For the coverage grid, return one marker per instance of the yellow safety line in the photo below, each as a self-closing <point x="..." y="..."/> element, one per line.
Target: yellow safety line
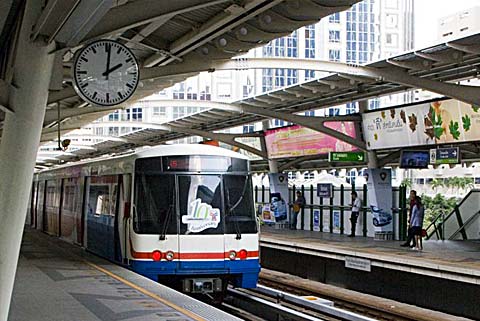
<point x="146" y="292"/>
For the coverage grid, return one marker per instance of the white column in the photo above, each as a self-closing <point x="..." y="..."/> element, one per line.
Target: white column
<point x="19" y="145"/>
<point x="372" y="155"/>
<point x="272" y="164"/>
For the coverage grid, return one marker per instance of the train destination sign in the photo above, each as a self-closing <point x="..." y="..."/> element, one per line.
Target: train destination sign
<point x="445" y="156"/>
<point x="358" y="157"/>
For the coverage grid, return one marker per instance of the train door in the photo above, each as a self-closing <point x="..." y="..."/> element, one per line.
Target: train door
<point x="29" y="217"/>
<point x="71" y="209"/>
<point x="40" y="208"/>
<point x="52" y="206"/>
<point x="101" y="209"/>
<point x="123" y="217"/>
<point x="201" y="237"/>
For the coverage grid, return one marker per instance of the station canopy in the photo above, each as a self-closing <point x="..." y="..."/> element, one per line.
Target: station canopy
<point x="174" y="40"/>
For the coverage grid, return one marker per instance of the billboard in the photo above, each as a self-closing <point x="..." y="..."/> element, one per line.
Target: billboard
<point x="438" y="122"/>
<point x="295" y="141"/>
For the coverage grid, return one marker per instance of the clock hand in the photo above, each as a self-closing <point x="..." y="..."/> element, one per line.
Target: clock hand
<point x="109" y="71"/>
<point x="109" y="49"/>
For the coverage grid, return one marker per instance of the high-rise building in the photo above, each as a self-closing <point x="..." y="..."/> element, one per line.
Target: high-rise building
<point x="368" y="31"/>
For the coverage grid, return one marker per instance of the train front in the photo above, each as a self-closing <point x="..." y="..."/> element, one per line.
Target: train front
<point x="193" y="224"/>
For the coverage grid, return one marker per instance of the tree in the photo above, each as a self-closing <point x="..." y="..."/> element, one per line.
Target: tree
<point x="437" y="205"/>
<point x="407" y="182"/>
<point x="436" y="183"/>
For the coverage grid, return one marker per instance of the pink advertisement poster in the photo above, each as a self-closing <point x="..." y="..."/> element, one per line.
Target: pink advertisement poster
<point x="297" y="140"/>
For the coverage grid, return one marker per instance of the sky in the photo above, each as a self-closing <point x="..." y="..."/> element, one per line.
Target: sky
<point x="427" y="13"/>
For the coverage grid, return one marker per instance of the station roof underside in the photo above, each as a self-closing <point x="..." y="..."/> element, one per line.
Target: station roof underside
<point x="445" y="62"/>
<point x="179" y="39"/>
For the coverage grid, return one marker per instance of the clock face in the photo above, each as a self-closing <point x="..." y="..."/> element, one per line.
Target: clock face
<point x="105" y="73"/>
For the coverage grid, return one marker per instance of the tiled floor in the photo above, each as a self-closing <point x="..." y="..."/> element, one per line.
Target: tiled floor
<point x="59" y="281"/>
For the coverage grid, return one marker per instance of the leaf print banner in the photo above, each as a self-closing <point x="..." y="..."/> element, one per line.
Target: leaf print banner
<point x="439" y="122"/>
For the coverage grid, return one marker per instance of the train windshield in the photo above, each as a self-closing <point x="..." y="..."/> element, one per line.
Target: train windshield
<point x="187" y="203"/>
<point x="154" y="211"/>
<point x="239" y="212"/>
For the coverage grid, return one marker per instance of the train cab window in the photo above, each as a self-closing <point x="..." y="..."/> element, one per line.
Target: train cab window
<point x="200" y="199"/>
<point x="154" y="211"/>
<point x="239" y="208"/>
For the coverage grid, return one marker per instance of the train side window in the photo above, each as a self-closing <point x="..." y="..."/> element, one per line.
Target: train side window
<point x="102" y="195"/>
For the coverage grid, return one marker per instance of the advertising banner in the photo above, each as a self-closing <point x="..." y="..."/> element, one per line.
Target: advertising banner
<point x="267" y="215"/>
<point x="379" y="185"/>
<point x="297" y="141"/>
<point x="279" y="197"/>
<point x="438" y="122"/>
<point x="316" y="220"/>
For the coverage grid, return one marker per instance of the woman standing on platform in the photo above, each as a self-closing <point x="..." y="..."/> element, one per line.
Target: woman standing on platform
<point x="416" y="221"/>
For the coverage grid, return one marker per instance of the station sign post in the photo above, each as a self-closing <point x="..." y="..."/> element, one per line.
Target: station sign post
<point x="445" y="156"/>
<point x="353" y="157"/>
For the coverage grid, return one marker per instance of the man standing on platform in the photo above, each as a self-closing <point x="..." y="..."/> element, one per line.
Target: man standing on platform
<point x="356" y="206"/>
<point x="297" y="207"/>
<point x="410" y="235"/>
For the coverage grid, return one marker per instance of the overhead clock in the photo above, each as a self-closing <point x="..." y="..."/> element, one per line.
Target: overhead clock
<point x="105" y="73"/>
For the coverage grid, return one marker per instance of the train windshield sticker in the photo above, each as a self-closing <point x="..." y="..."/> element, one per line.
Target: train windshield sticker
<point x="201" y="216"/>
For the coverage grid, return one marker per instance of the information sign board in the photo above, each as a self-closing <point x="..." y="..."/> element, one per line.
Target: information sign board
<point x="324" y="190"/>
<point x="445" y="156"/>
<point x="346" y="157"/>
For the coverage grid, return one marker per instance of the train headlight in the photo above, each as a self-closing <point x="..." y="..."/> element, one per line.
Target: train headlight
<point x="242" y="254"/>
<point x="156" y="255"/>
<point x="232" y="255"/>
<point x="169" y="255"/>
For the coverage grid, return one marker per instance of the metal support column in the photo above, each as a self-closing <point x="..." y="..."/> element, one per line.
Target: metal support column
<point x="19" y="145"/>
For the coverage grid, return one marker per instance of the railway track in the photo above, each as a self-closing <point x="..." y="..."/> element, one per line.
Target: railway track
<point x="264" y="303"/>
<point x="365" y="305"/>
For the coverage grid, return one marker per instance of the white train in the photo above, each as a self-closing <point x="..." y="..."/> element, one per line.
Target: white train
<point x="178" y="214"/>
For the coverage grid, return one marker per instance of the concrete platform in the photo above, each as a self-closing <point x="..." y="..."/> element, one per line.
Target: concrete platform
<point x="454" y="260"/>
<point x="59" y="281"/>
<point x="444" y="277"/>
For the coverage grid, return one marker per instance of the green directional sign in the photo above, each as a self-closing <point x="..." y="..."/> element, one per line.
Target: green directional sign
<point x="346" y="157"/>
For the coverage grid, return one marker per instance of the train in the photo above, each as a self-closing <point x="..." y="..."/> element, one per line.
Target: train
<point x="182" y="215"/>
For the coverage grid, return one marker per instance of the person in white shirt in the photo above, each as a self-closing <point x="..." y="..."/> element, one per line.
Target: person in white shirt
<point x="356" y="206"/>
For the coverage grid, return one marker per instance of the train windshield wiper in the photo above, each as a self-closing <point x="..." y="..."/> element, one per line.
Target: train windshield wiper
<point x="231" y="208"/>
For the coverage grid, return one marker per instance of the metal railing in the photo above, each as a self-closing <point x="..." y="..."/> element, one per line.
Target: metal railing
<point x="437" y="228"/>
<point x="338" y="202"/>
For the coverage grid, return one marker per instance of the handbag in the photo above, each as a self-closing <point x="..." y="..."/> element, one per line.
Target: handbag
<point x="296" y="207"/>
<point x="424" y="232"/>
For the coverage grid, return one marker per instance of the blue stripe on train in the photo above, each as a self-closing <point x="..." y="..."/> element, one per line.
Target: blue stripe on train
<point x="245" y="272"/>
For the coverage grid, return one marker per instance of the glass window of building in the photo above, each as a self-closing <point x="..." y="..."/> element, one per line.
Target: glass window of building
<point x="250" y="128"/>
<point x="137" y="114"/>
<point x="292" y="44"/>
<point x="351" y="176"/>
<point x="114" y="116"/>
<point x="278" y="123"/>
<point x="279" y="78"/>
<point x="267" y="79"/>
<point x="179" y="112"/>
<point x="334" y="35"/>
<point x="159" y="111"/>
<point x="351" y="108"/>
<point x="292" y="76"/>
<point x="333" y="112"/>
<point x="309" y="74"/>
<point x="310" y="41"/>
<point x="334" y="18"/>
<point x="308" y="175"/>
<point x="334" y="55"/>
<point x="179" y="91"/>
